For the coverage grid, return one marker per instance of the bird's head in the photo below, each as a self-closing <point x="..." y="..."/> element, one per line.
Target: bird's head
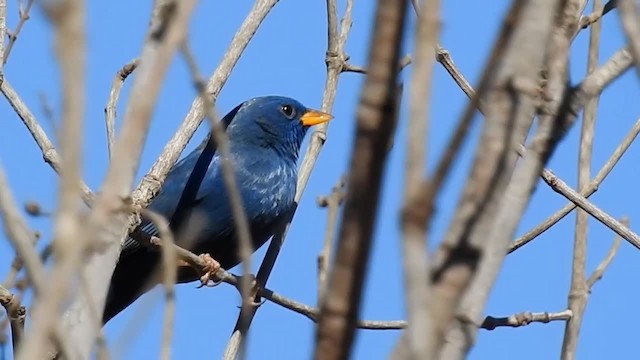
<point x="274" y="122"/>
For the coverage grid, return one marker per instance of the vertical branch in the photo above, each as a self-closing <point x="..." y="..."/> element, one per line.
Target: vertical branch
<point x="3" y="32"/>
<point x="21" y="238"/>
<point x="332" y="202"/>
<point x="578" y="293"/>
<point x="376" y="120"/>
<point x="630" y="19"/>
<point x="414" y="228"/>
<point x="335" y="60"/>
<point x="68" y="18"/>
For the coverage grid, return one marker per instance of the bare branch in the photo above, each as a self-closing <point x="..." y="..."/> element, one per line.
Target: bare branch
<point x="49" y="152"/>
<point x="3" y="31"/>
<point x="199" y="263"/>
<point x="13" y="35"/>
<point x="578" y="292"/>
<point x="415" y="266"/>
<point x="16" y="314"/>
<point x="511" y="103"/>
<point x="347" y="67"/>
<point x="332" y="202"/>
<point x="565" y="190"/>
<point x="376" y="118"/>
<point x="597" y="274"/>
<point x="106" y="226"/>
<point x="68" y="18"/>
<point x="110" y="108"/>
<point x="630" y="19"/>
<point x="525" y="318"/>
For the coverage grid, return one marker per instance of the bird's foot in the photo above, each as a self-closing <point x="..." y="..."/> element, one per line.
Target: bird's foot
<point x="254" y="289"/>
<point x="211" y="267"/>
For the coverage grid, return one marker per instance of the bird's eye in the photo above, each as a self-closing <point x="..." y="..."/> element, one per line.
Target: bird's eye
<point x="288" y="111"/>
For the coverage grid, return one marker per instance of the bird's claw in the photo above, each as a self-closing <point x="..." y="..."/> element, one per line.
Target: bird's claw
<point x="253" y="290"/>
<point x="210" y="269"/>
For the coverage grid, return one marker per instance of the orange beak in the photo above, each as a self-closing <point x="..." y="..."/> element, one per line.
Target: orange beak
<point x="314" y="117"/>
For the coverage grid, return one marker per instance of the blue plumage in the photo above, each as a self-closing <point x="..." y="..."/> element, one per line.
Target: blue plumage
<point x="265" y="135"/>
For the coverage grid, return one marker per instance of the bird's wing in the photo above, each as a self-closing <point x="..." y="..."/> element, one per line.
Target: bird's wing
<point x="166" y="201"/>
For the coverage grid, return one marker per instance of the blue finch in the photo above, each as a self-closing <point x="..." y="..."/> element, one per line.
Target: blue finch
<point x="265" y="135"/>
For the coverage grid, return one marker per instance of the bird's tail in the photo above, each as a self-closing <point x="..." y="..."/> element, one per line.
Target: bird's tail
<point x="131" y="278"/>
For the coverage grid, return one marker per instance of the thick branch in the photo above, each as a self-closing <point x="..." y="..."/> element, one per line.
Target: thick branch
<point x="420" y="332"/>
<point x="106" y="226"/>
<point x="374" y="129"/>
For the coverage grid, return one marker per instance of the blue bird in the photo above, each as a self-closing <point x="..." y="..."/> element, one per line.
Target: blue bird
<point x="265" y="135"/>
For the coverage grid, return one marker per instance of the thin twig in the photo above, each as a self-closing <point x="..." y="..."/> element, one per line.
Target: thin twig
<point x="13" y="35"/>
<point x="199" y="263"/>
<point x="348" y="67"/>
<point x="615" y="66"/>
<point x="525" y="318"/>
<point x="444" y="58"/>
<point x="110" y="108"/>
<point x="565" y="190"/>
<point x="49" y="152"/>
<point x="588" y="190"/>
<point x="597" y="274"/>
<point x="578" y="292"/>
<point x="332" y="202"/>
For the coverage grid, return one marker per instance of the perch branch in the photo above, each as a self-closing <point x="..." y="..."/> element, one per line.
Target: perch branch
<point x="336" y="39"/>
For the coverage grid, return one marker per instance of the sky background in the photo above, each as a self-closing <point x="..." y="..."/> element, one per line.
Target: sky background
<point x="287" y="57"/>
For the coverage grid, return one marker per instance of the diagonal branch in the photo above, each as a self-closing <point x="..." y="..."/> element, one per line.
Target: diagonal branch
<point x="68" y="18"/>
<point x="511" y="103"/>
<point x="106" y="227"/>
<point x="597" y="274"/>
<point x="154" y="178"/>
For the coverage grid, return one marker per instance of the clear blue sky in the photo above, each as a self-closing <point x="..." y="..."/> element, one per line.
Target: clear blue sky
<point x="287" y="57"/>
